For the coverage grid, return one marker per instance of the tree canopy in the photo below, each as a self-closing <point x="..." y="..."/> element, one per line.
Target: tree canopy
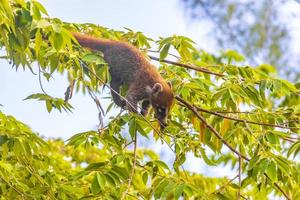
<point x="225" y="113"/>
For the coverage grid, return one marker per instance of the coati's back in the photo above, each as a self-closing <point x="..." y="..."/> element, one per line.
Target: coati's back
<point x="127" y="65"/>
<point x="123" y="59"/>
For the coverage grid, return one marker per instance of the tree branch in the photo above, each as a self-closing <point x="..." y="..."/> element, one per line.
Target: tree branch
<point x="40" y="80"/>
<point x="195" y="111"/>
<point x="278" y="187"/>
<point x="193" y="67"/>
<point x="226" y="184"/>
<point x="244" y="120"/>
<point x="23" y="195"/>
<point x="212" y="129"/>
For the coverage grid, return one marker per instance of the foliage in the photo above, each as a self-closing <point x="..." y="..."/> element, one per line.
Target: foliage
<point x="245" y="116"/>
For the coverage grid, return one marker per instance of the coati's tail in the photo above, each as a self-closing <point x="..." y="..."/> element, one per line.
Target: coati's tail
<point x="97" y="44"/>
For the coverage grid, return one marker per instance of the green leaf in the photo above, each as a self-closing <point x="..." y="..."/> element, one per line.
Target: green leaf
<point x="164" y="52"/>
<point x="6" y="166"/>
<point x="101" y="180"/>
<point x="161" y="164"/>
<point x="295" y="148"/>
<point x="40" y="7"/>
<point x="121" y="172"/>
<point x="48" y="105"/>
<point x="93" y="58"/>
<point x="145" y="177"/>
<point x="188" y="190"/>
<point x="58" y="41"/>
<point x="96" y="166"/>
<point x="132" y="127"/>
<point x="160" y="188"/>
<point x="178" y="191"/>
<point x="205" y="158"/>
<point x="271" y="171"/>
<point x="110" y="180"/>
<point x="95" y="187"/>
<point x="234" y="55"/>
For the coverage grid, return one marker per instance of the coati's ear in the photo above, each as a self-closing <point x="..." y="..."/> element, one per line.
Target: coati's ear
<point x="156" y="89"/>
<point x="170" y="84"/>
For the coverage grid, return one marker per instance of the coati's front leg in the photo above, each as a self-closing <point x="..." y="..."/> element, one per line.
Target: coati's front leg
<point x="145" y="107"/>
<point x="131" y="102"/>
<point x="135" y="94"/>
<point x="115" y="92"/>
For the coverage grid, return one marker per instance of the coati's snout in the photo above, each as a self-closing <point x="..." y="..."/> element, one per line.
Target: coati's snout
<point x="161" y="98"/>
<point x="161" y="116"/>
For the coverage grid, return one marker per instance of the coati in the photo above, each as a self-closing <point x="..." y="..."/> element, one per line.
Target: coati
<point x="128" y="66"/>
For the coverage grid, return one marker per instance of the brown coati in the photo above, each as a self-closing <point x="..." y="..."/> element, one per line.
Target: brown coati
<point x="128" y="66"/>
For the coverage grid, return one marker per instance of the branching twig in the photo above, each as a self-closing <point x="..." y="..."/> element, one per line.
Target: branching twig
<point x="278" y="187"/>
<point x="234" y="112"/>
<point x="223" y="186"/>
<point x="244" y="120"/>
<point x="194" y="110"/>
<point x="126" y="145"/>
<point x="212" y="129"/>
<point x="157" y="51"/>
<point x="23" y="195"/>
<point x="193" y="67"/>
<point x="69" y="91"/>
<point x="244" y="197"/>
<point x="99" y="107"/>
<point x="40" y="81"/>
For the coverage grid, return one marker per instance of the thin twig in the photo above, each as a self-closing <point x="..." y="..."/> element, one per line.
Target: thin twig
<point x="244" y="120"/>
<point x="40" y="81"/>
<point x="212" y="129"/>
<point x="278" y="187"/>
<point x="99" y="107"/>
<point x="23" y="195"/>
<point x="157" y="51"/>
<point x="194" y="110"/>
<point x="240" y="178"/>
<point x="133" y="165"/>
<point x="223" y="186"/>
<point x="34" y="173"/>
<point x="234" y="112"/>
<point x="193" y="67"/>
<point x="69" y="91"/>
<point x="244" y="197"/>
<point x="126" y="145"/>
<point x="134" y="196"/>
<point x="287" y="122"/>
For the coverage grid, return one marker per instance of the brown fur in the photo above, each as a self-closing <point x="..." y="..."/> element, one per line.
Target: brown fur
<point x="128" y="66"/>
